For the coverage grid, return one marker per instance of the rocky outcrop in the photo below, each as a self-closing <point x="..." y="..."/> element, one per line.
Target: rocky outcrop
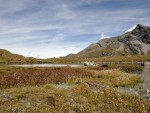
<point x="90" y="64"/>
<point x="142" y="33"/>
<point x="147" y="63"/>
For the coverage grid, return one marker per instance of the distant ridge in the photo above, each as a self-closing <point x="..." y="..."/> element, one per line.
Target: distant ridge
<point x="7" y="54"/>
<point x="6" y="57"/>
<point x="135" y="41"/>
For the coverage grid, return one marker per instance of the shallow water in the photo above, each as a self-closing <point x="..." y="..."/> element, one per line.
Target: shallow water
<point x="141" y="89"/>
<point x="48" y="65"/>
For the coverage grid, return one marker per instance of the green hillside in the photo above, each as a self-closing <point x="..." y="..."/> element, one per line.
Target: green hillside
<point x="7" y="57"/>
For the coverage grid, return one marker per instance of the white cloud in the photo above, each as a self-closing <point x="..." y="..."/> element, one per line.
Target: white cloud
<point x="46" y="26"/>
<point x="103" y="36"/>
<point x="48" y="50"/>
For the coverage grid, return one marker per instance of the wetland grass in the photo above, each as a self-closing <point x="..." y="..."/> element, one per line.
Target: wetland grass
<point x="68" y="90"/>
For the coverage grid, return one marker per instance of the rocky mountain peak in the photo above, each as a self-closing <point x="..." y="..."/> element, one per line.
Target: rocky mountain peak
<point x="142" y="32"/>
<point x="135" y="41"/>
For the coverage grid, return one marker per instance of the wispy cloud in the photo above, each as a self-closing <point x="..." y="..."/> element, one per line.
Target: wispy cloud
<point x="52" y="28"/>
<point x="103" y="36"/>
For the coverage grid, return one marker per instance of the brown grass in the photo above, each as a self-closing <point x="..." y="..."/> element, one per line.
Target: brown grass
<point x="99" y="68"/>
<point x="91" y="92"/>
<point x="75" y="100"/>
<point x="129" y="68"/>
<point x="40" y="76"/>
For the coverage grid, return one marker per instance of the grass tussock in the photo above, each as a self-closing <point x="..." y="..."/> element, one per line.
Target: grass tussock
<point x="68" y="90"/>
<point x="100" y="68"/>
<point x="75" y="100"/>
<point x="40" y="76"/>
<point x="129" y="68"/>
<point x="117" y="78"/>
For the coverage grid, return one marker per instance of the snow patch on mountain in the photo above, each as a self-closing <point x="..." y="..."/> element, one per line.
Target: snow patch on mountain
<point x="131" y="29"/>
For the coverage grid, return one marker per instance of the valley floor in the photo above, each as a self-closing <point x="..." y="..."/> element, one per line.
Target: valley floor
<point x="68" y="90"/>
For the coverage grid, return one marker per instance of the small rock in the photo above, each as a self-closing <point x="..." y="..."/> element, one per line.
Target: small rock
<point x="147" y="97"/>
<point x="148" y="91"/>
<point x="18" y="111"/>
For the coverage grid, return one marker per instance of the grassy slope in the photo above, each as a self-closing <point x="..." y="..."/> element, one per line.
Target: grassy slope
<point x="8" y="56"/>
<point x="80" y="90"/>
<point x="130" y="58"/>
<point x="13" y="58"/>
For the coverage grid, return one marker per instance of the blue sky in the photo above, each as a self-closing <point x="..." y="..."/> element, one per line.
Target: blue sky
<point x="54" y="28"/>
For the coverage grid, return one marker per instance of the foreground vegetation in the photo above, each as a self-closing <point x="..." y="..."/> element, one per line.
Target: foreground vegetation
<point x="68" y="90"/>
<point x="39" y="76"/>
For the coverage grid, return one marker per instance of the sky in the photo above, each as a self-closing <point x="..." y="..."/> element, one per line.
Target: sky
<point x="54" y="28"/>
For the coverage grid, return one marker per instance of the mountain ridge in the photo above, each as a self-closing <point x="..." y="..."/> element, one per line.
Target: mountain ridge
<point x="135" y="42"/>
<point x="8" y="54"/>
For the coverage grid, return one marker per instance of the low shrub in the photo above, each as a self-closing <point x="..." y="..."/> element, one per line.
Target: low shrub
<point x="40" y="76"/>
<point x="131" y="68"/>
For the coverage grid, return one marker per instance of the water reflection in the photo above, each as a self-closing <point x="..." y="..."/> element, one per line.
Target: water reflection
<point x="48" y="65"/>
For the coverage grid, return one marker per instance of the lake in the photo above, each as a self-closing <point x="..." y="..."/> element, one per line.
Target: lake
<point x="47" y="65"/>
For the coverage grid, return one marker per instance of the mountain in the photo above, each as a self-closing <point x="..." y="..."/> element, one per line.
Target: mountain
<point x="5" y="55"/>
<point x="8" y="54"/>
<point x="135" y="41"/>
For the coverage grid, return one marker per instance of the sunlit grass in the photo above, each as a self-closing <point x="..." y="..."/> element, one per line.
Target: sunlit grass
<point x="117" y="78"/>
<point x="77" y="99"/>
<point x="129" y="68"/>
<point x="79" y="90"/>
<point x="11" y="59"/>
